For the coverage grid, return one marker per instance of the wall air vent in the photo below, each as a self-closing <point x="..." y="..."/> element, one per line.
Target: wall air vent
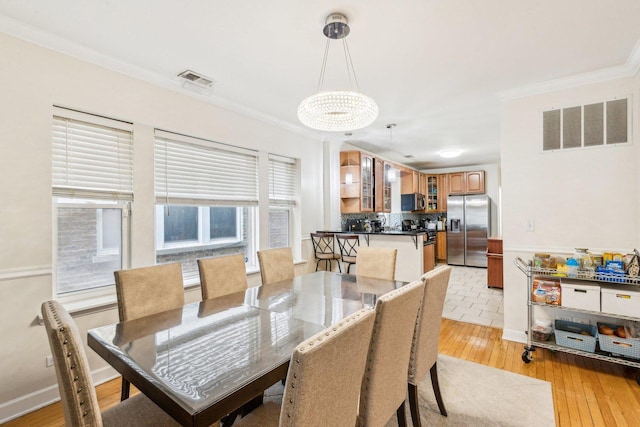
<point x="196" y="82"/>
<point x="591" y="125"/>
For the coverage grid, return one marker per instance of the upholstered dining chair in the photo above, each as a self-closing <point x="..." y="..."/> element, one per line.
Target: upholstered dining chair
<point x="324" y="250"/>
<point x="276" y="265"/>
<point x="222" y="275"/>
<point x="384" y="387"/>
<point x="377" y="263"/>
<point x="424" y="351"/>
<point x="77" y="392"/>
<point x="145" y="291"/>
<point x="348" y="244"/>
<point x="324" y="378"/>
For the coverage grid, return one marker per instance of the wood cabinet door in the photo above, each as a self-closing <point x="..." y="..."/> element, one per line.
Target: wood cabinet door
<point x="442" y="192"/>
<point x="428" y="261"/>
<point x="475" y="182"/>
<point x="494" y="271"/>
<point x="456" y="183"/>
<point x="441" y="245"/>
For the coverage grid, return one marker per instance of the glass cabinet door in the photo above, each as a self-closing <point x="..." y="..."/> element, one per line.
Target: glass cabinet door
<point x="387" y="188"/>
<point x="367" y="184"/>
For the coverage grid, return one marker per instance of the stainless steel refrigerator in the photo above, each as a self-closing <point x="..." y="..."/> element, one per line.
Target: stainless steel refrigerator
<point x="469" y="227"/>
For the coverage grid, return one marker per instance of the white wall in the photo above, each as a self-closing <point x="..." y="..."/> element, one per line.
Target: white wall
<point x="32" y="80"/>
<point x="576" y="198"/>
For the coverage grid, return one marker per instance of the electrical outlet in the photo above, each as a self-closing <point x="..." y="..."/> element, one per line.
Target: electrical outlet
<point x="529" y="225"/>
<point x="48" y="361"/>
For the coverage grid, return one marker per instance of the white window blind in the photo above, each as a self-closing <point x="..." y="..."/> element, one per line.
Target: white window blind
<point x="282" y="181"/>
<point x="195" y="171"/>
<point x="92" y="156"/>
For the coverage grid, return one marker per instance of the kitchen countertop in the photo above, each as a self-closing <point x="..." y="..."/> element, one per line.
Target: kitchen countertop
<point x="380" y="233"/>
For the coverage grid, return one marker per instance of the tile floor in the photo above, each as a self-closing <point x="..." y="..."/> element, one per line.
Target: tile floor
<point x="470" y="300"/>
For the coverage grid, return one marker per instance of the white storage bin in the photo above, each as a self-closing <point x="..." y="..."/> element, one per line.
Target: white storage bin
<point x="621" y="301"/>
<point x="577" y="294"/>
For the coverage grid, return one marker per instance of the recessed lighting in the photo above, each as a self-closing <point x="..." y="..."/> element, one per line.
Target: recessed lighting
<point x="449" y="154"/>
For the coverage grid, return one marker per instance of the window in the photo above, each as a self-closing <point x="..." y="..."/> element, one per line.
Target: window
<point x="282" y="200"/>
<point x="206" y="201"/>
<point x="92" y="166"/>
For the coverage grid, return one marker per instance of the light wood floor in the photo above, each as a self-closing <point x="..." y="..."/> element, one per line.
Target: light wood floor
<point x="586" y="392"/>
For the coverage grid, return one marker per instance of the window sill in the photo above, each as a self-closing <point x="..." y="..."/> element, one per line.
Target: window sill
<point x="199" y="247"/>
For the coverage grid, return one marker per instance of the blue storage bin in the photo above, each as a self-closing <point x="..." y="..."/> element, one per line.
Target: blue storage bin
<point x="571" y="334"/>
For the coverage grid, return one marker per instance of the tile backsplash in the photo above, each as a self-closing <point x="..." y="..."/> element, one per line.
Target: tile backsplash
<point x="393" y="220"/>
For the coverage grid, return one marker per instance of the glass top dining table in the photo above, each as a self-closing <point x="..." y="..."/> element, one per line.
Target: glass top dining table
<point x="205" y="360"/>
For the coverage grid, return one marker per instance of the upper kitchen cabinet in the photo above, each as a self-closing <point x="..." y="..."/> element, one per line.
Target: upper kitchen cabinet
<point x="382" y="187"/>
<point x="356" y="182"/>
<point x="471" y="182"/>
<point x="410" y="182"/>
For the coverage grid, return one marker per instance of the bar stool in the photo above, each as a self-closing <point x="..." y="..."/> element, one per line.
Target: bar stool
<point x="324" y="249"/>
<point x="348" y="248"/>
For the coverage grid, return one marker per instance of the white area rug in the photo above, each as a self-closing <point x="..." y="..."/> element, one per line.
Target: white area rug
<point x="477" y="395"/>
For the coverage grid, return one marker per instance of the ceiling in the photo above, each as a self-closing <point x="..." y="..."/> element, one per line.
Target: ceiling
<point x="436" y="68"/>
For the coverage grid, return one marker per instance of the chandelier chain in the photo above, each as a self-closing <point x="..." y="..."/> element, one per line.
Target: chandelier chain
<point x="350" y="66"/>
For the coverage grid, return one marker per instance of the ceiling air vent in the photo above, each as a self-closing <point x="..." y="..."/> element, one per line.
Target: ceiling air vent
<point x="196" y="82"/>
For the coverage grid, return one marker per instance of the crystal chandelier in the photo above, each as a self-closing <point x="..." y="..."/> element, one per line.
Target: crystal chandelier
<point x="338" y="110"/>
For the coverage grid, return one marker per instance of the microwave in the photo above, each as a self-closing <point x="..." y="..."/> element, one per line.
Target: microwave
<point x="412" y="202"/>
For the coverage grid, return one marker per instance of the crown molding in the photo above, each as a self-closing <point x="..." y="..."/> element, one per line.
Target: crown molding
<point x="67" y="47"/>
<point x="629" y="69"/>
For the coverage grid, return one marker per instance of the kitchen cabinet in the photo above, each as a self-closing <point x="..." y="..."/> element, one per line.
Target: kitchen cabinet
<point x="470" y="182"/>
<point x="609" y="348"/>
<point x="434" y="194"/>
<point x="386" y="191"/>
<point x="429" y="260"/>
<point x="441" y="246"/>
<point x="357" y="185"/>
<point x="410" y="182"/>
<point x="366" y="188"/>
<point x="494" y="263"/>
<point x="356" y="182"/>
<point x="442" y="192"/>
<point x="382" y="187"/>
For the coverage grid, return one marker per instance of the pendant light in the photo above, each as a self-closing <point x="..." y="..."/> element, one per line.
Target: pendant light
<point x="337" y="110"/>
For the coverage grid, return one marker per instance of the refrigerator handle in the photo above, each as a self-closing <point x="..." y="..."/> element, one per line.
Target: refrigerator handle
<point x="455" y="225"/>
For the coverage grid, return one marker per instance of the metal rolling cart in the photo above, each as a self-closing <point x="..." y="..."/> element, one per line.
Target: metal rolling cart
<point x="610" y="279"/>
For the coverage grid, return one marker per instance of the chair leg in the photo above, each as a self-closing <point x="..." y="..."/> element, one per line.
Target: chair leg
<point x="413" y="405"/>
<point x="317" y="264"/>
<point x="436" y="388"/>
<point x="348" y="267"/>
<point x="124" y="393"/>
<point x="400" y="413"/>
<point x="338" y="262"/>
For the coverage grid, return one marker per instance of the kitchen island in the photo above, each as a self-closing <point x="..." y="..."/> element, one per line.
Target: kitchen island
<point x="410" y="263"/>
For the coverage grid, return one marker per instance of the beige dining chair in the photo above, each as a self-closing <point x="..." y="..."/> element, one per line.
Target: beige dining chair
<point x="77" y="392"/>
<point x="145" y="291"/>
<point x="324" y="378"/>
<point x="276" y="265"/>
<point x="424" y="351"/>
<point x="349" y="245"/>
<point x="222" y="275"/>
<point x="324" y="250"/>
<point x="377" y="263"/>
<point x="384" y="387"/>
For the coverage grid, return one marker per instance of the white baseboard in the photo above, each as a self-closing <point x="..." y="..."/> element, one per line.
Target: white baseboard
<point x="514" y="335"/>
<point x="38" y="399"/>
